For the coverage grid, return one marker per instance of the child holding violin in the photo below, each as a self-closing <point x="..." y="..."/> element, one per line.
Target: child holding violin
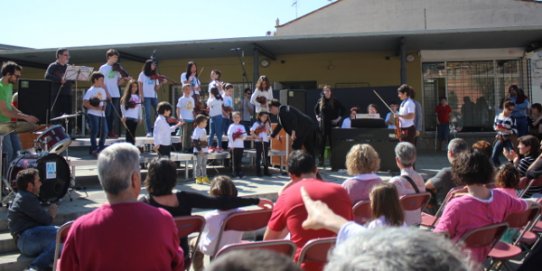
<point x="236" y="137"/>
<point x="93" y="101"/>
<point x="163" y="130"/>
<point x="130" y="106"/>
<point x="149" y="84"/>
<point x="260" y="131"/>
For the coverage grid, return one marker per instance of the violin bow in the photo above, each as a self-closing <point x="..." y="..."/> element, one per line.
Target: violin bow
<point x="382" y="100"/>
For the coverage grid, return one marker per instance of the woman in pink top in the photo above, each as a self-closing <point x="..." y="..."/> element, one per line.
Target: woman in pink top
<point x="480" y="206"/>
<point x="362" y="161"/>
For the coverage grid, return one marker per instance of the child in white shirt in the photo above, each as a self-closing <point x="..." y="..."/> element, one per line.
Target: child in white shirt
<point x="185" y="113"/>
<point x="236" y="137"/>
<point x="130" y="106"/>
<point x="385" y="207"/>
<point x="162" y="130"/>
<point x="215" y="104"/>
<point x="260" y="131"/>
<point x="93" y="101"/>
<point x="199" y="141"/>
<point x="228" y="106"/>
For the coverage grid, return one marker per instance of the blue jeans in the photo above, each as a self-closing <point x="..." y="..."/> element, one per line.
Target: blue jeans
<point x="215" y="128"/>
<point x="97" y="125"/>
<point x="226" y="124"/>
<point x="39" y="242"/>
<point x="497" y="150"/>
<point x="522" y="125"/>
<point x="443" y="131"/>
<point x="149" y="113"/>
<point x="10" y="146"/>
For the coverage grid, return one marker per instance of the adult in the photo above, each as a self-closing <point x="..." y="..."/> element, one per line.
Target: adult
<point x="534" y="171"/>
<point x="253" y="260"/>
<point x="190" y="77"/>
<point x="29" y="224"/>
<point x="529" y="150"/>
<point x="160" y="183"/>
<point x="410" y="181"/>
<point x="443" y="113"/>
<point x="113" y="77"/>
<point x="406" y="114"/>
<point x="442" y="182"/>
<point x="362" y="162"/>
<point x="418" y="119"/>
<point x="329" y="112"/>
<point x="61" y="87"/>
<point x="521" y="110"/>
<point x="484" y="147"/>
<point x="262" y="95"/>
<point x="289" y="211"/>
<point x="11" y="72"/>
<point x="536" y="120"/>
<point x="302" y="129"/>
<point x="148" y="86"/>
<point x="390" y="119"/>
<point x="122" y="234"/>
<point x="372" y="111"/>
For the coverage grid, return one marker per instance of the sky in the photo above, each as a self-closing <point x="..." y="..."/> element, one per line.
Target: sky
<point x="64" y="23"/>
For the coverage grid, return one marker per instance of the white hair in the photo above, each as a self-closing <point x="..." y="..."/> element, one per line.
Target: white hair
<point x="116" y="164"/>
<point x="398" y="249"/>
<point x="406" y="152"/>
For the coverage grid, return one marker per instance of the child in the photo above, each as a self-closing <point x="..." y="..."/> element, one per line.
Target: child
<point x="236" y="137"/>
<point x="228" y="106"/>
<point x="199" y="140"/>
<point x="507" y="179"/>
<point x="185" y="113"/>
<point x="215" y="103"/>
<point x="162" y="130"/>
<point x="130" y="105"/>
<point x="93" y="102"/>
<point x="505" y="127"/>
<point x="215" y="81"/>
<point x="385" y="207"/>
<point x="260" y="131"/>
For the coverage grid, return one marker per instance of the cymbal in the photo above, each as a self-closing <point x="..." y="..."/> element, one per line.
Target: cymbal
<point x="65" y="116"/>
<point x="17" y="127"/>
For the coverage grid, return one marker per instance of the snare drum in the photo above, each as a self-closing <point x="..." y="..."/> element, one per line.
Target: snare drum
<point x="54" y="173"/>
<point x="54" y="139"/>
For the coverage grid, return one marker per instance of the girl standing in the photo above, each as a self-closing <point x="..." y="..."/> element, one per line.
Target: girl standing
<point x="260" y="131"/>
<point x="199" y="141"/>
<point x="147" y="92"/>
<point x="329" y="112"/>
<point x="215" y="104"/>
<point x="130" y="105"/>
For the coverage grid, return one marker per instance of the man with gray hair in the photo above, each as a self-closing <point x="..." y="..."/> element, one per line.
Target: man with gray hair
<point x="123" y="234"/>
<point x="442" y="182"/>
<point x="410" y="181"/>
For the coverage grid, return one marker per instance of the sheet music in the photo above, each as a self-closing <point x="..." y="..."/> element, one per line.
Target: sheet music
<point x="78" y="73"/>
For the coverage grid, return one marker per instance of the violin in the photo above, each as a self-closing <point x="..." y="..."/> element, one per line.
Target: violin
<point x="172" y="120"/>
<point x="119" y="68"/>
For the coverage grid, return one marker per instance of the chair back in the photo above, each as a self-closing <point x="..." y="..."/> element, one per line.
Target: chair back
<point x="61" y="236"/>
<point x="521" y="219"/>
<point x="416" y="201"/>
<point x="362" y="212"/>
<point x="316" y="250"/>
<point x="187" y="225"/>
<point x="486" y="236"/>
<point x="526" y="183"/>
<point x="285" y="247"/>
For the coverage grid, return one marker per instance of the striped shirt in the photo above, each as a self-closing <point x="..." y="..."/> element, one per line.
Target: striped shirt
<point x="507" y="123"/>
<point x="524" y="164"/>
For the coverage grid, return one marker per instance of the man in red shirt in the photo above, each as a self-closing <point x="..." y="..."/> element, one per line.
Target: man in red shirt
<point x="443" y="111"/>
<point x="123" y="234"/>
<point x="289" y="211"/>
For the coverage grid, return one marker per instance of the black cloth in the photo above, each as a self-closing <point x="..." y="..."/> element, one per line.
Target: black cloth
<point x="189" y="200"/>
<point x="306" y="129"/>
<point x="132" y="127"/>
<point x="55" y="73"/>
<point x="237" y="154"/>
<point x="408" y="134"/>
<point x="329" y="111"/>
<point x="25" y="212"/>
<point x="164" y="150"/>
<point x="262" y="151"/>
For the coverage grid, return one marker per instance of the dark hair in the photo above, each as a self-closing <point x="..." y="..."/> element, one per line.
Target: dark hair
<point x="385" y="202"/>
<point x="253" y="260"/>
<point x="404" y="88"/>
<point x="26" y="176"/>
<point x="217" y="72"/>
<point x="530" y="141"/>
<point x="216" y="93"/>
<point x="442" y="98"/>
<point x="274" y="103"/>
<point x="472" y="168"/>
<point x="189" y="68"/>
<point x="355" y="109"/>
<point x="247" y="90"/>
<point x="222" y="186"/>
<point x="484" y="147"/>
<point x="228" y="86"/>
<point x="60" y="51"/>
<point x="111" y="52"/>
<point x="95" y="76"/>
<point x="508" y="103"/>
<point x="163" y="107"/>
<point x="161" y="177"/>
<point x="147" y="68"/>
<point x="263" y="113"/>
<point x="537" y="106"/>
<point x="507" y="176"/>
<point x="128" y="93"/>
<point x="199" y="119"/>
<point x="300" y="162"/>
<point x="10" y="67"/>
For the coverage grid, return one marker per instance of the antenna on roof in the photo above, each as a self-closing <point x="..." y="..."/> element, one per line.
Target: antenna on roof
<point x="294" y="3"/>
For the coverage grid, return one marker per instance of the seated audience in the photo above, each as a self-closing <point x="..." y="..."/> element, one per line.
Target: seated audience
<point x="347" y="122"/>
<point x="385" y="207"/>
<point x="507" y="179"/>
<point x="253" y="260"/>
<point x="289" y="212"/>
<point x="29" y="224"/>
<point x="528" y="148"/>
<point x="533" y="172"/>
<point x="481" y="206"/>
<point x="362" y="162"/>
<point x="123" y="234"/>
<point x="484" y="147"/>
<point x="410" y="181"/>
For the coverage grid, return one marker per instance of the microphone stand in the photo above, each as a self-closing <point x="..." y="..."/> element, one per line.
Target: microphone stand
<point x="241" y="57"/>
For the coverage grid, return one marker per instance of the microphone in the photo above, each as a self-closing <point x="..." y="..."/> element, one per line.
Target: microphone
<point x="235" y="49"/>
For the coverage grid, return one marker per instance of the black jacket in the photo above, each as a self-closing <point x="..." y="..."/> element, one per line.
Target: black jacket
<point x="292" y="119"/>
<point x="331" y="110"/>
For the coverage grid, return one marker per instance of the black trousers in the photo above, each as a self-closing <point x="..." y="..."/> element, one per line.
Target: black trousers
<point x="237" y="156"/>
<point x="306" y="140"/>
<point x="326" y="137"/>
<point x="132" y="127"/>
<point x="262" y="150"/>
<point x="164" y="151"/>
<point x="408" y="134"/>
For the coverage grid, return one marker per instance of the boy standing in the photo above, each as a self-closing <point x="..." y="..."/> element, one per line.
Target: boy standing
<point x="185" y="113"/>
<point x="443" y="111"/>
<point x="236" y="136"/>
<point x="93" y="101"/>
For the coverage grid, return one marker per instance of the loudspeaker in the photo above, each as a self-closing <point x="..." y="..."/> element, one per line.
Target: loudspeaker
<point x="35" y="98"/>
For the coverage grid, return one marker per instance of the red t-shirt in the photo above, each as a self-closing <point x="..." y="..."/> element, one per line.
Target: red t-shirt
<point x="443" y="113"/>
<point x="124" y="236"/>
<point x="289" y="211"/>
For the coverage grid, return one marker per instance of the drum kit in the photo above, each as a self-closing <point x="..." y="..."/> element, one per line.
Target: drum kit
<point x="54" y="170"/>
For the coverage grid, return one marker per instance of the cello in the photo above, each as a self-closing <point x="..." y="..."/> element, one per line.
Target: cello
<point x="396" y="119"/>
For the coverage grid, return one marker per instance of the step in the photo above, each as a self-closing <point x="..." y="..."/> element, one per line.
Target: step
<point x="7" y="245"/>
<point x="14" y="261"/>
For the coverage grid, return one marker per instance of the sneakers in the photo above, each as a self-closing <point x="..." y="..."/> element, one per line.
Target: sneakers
<point x="219" y="150"/>
<point x="212" y="149"/>
<point x="202" y="180"/>
<point x="149" y="135"/>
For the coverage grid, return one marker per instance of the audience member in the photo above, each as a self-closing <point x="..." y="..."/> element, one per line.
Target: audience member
<point x="507" y="179"/>
<point x="484" y="147"/>
<point x="528" y="148"/>
<point x="289" y="211"/>
<point x="505" y="128"/>
<point x="29" y="224"/>
<point x="253" y="260"/>
<point x="362" y="162"/>
<point x="385" y="207"/>
<point x="534" y="171"/>
<point x="123" y="234"/>
<point x="410" y="181"/>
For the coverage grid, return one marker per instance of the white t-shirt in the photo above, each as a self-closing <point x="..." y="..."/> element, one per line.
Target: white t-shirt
<point x="407" y="106"/>
<point x="148" y="85"/>
<point x="162" y="131"/>
<point x="111" y="80"/>
<point x="186" y="108"/>
<point x="201" y="135"/>
<point x="239" y="141"/>
<point x="133" y="113"/>
<point x="96" y="92"/>
<point x="215" y="106"/>
<point x="263" y="135"/>
<point x="381" y="222"/>
<point x="214" y="219"/>
<point x="257" y="93"/>
<point x="228" y="101"/>
<point x="193" y="84"/>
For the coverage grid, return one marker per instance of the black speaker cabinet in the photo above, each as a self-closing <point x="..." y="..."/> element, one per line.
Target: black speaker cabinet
<point x="35" y="98"/>
<point x="379" y="139"/>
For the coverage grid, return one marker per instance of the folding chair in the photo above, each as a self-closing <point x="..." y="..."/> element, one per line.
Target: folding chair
<point x="249" y="220"/>
<point x="61" y="236"/>
<point x="429" y="220"/>
<point x="187" y="225"/>
<point x="316" y="250"/>
<point x="416" y="201"/>
<point x="362" y="212"/>
<point x="486" y="236"/>
<point x="285" y="247"/>
<point x="525" y="184"/>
